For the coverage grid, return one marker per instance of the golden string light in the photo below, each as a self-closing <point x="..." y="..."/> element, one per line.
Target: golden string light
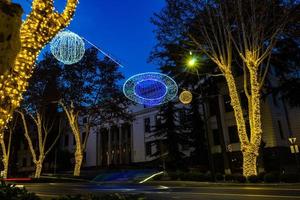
<point x="40" y="26"/>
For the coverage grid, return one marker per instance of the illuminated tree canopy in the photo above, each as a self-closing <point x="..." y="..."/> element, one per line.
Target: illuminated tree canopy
<point x="150" y="88"/>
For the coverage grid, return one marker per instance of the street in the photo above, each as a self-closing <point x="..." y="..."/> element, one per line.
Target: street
<point x="160" y="192"/>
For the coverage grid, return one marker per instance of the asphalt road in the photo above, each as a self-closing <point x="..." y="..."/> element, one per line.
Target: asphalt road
<point x="209" y="192"/>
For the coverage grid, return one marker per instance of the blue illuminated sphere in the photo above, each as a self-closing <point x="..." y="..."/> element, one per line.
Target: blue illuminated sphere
<point x="67" y="47"/>
<point x="150" y="88"/>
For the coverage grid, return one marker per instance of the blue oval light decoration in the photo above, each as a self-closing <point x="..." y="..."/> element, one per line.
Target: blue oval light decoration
<point x="67" y="47"/>
<point x="150" y="88"/>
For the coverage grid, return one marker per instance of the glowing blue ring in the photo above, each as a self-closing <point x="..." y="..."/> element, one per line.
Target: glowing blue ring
<point x="150" y="88"/>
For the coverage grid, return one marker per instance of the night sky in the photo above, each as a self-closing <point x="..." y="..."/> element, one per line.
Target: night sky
<point x="120" y="27"/>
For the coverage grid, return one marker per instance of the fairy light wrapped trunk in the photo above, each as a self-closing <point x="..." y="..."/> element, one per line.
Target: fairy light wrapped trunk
<point x="41" y="25"/>
<point x="10" y="23"/>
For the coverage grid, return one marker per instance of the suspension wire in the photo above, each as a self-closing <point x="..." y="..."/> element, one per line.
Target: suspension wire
<point x="104" y="53"/>
<point x="95" y="46"/>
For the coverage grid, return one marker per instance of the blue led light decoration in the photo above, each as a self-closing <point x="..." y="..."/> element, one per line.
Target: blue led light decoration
<point x="67" y="47"/>
<point x="150" y="88"/>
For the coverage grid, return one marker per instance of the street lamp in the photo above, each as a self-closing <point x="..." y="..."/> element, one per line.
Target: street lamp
<point x="192" y="61"/>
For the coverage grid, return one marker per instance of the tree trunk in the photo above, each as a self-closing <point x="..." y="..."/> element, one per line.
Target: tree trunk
<point x="5" y="161"/>
<point x="238" y="111"/>
<point x="78" y="162"/>
<point x="249" y="163"/>
<point x="5" y="155"/>
<point x="38" y="168"/>
<point x="256" y="129"/>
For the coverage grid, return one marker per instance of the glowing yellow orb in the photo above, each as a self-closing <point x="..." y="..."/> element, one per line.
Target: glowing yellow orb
<point x="186" y="97"/>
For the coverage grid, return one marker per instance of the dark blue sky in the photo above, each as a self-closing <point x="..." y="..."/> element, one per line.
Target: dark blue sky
<point x="121" y="27"/>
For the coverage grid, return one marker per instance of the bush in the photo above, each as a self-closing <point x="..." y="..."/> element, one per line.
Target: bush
<point x="290" y="178"/>
<point x="197" y="177"/>
<point x="261" y="176"/>
<point x="229" y="177"/>
<point x="240" y="178"/>
<point x="219" y="177"/>
<point x="254" y="179"/>
<point x="208" y="176"/>
<point x="10" y="192"/>
<point x="271" y="177"/>
<point x="103" y="197"/>
<point x="174" y="176"/>
<point x="235" y="178"/>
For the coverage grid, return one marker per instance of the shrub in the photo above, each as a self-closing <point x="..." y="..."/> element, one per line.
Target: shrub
<point x="254" y="179"/>
<point x="219" y="177"/>
<point x="290" y="178"/>
<point x="271" y="177"/>
<point x="174" y="176"/>
<point x="261" y="176"/>
<point x="197" y="177"/>
<point x="103" y="197"/>
<point x="208" y="176"/>
<point x="240" y="178"/>
<point x="10" y="192"/>
<point x="229" y="177"/>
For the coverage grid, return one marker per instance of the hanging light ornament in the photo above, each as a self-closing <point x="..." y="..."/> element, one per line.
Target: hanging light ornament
<point x="150" y="88"/>
<point x="67" y="47"/>
<point x="186" y="97"/>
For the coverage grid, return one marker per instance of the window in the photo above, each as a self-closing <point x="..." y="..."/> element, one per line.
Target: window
<point x="84" y="120"/>
<point x="83" y="135"/>
<point x="216" y="137"/>
<point x="233" y="134"/>
<point x="244" y="100"/>
<point x="183" y="117"/>
<point x="24" y="162"/>
<point x="25" y="146"/>
<point x="149" y="148"/>
<point x="66" y="140"/>
<point x="128" y="133"/>
<point x="158" y="120"/>
<point x="280" y="129"/>
<point x="185" y="147"/>
<point x="227" y="103"/>
<point x="147" y="125"/>
<point x="213" y="109"/>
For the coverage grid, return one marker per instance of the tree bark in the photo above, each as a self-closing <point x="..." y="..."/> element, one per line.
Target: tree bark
<point x="237" y="108"/>
<point x="38" y="168"/>
<point x="5" y="162"/>
<point x="78" y="162"/>
<point x="249" y="163"/>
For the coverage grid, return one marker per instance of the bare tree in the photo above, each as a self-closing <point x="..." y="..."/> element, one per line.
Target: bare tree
<point x="251" y="28"/>
<point x="6" y="145"/>
<point x="43" y="128"/>
<point x="80" y="142"/>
